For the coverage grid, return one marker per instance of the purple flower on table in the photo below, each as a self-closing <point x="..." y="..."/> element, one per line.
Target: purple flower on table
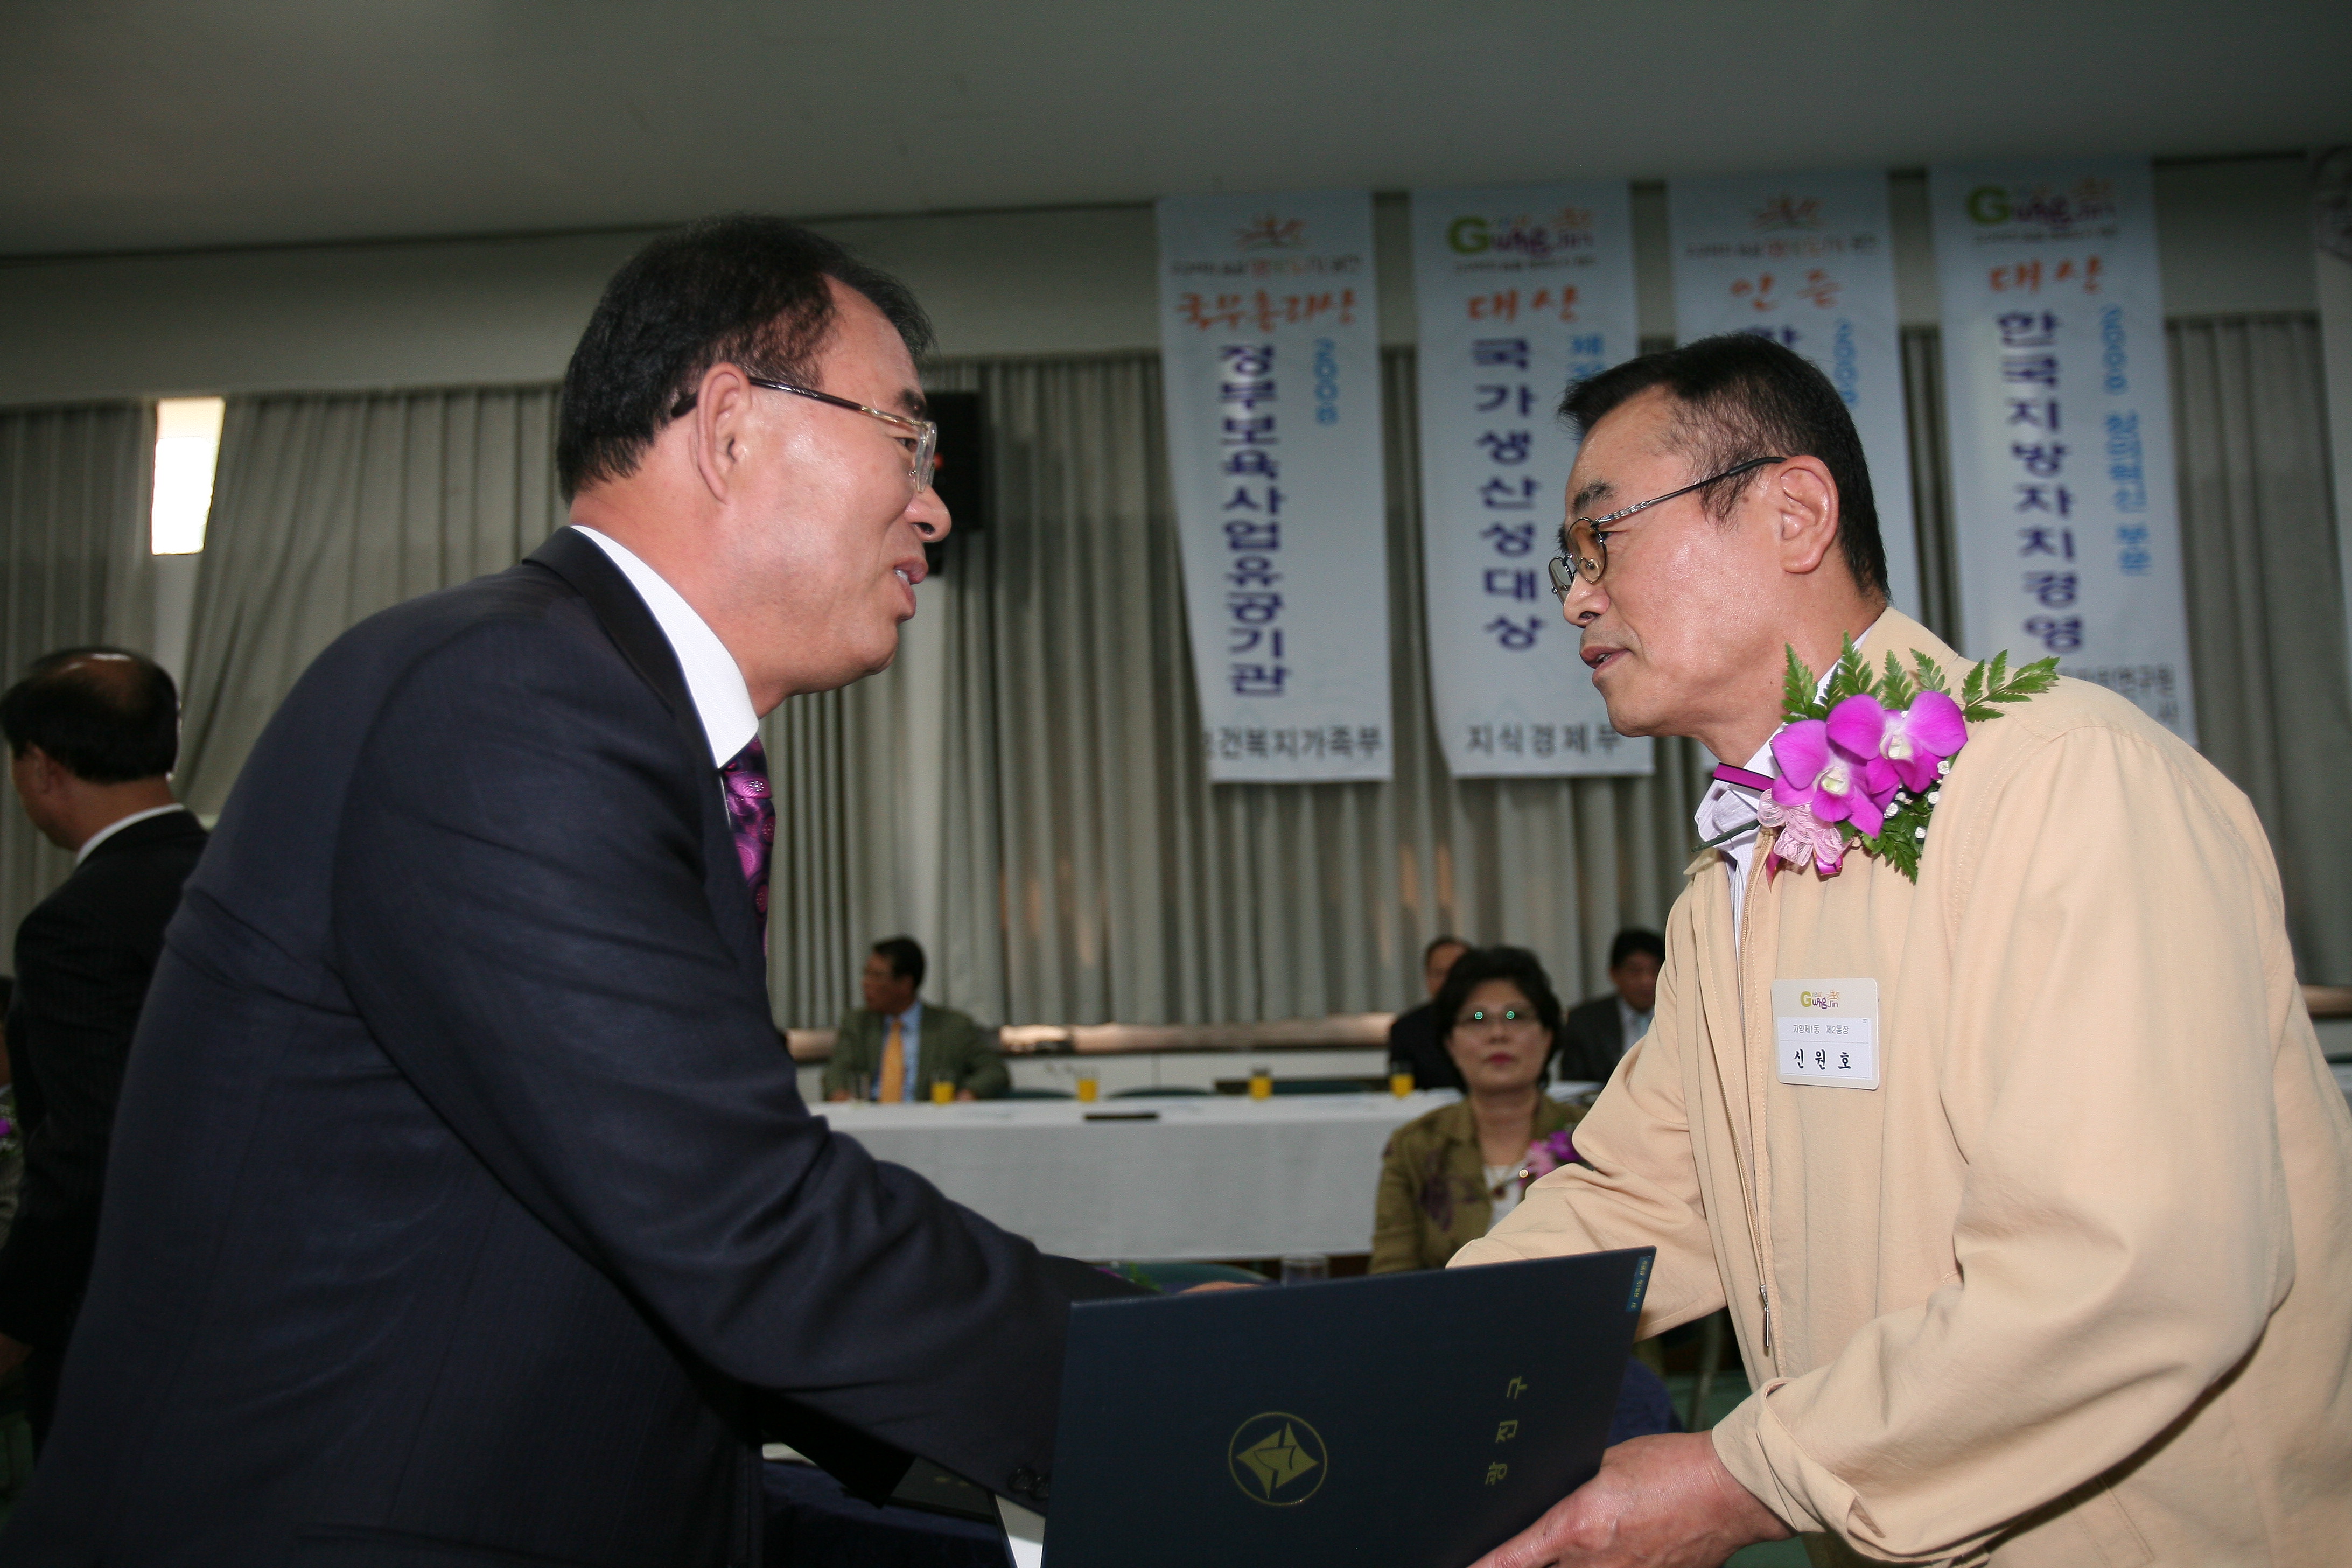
<point x="1825" y="779"/>
<point x="1895" y="747"/>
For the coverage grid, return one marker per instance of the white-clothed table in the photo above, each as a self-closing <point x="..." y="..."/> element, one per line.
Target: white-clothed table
<point x="1219" y="1176"/>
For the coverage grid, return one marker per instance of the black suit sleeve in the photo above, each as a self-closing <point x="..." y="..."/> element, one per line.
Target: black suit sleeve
<point x="1591" y="1040"/>
<point x="79" y="986"/>
<point x="522" y="918"/>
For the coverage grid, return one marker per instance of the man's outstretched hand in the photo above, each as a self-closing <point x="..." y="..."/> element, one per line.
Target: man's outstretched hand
<point x="1660" y="1502"/>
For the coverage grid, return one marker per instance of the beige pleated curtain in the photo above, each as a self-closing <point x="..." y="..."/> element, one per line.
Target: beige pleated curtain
<point x="75" y="485"/>
<point x="328" y="508"/>
<point x="2266" y="604"/>
<point x="1023" y="791"/>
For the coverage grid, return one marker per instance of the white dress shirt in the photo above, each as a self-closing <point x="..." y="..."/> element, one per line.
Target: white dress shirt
<point x="1725" y="806"/>
<point x="1634" y="1025"/>
<point x="713" y="678"/>
<point x="118" y="825"/>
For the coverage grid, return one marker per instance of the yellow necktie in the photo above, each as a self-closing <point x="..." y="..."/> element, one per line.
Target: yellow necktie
<point x="894" y="1067"/>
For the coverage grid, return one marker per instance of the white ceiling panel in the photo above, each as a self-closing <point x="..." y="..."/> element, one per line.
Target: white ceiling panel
<point x="129" y="125"/>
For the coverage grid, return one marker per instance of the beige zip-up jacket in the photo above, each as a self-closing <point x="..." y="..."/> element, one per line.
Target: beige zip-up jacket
<point x="2073" y="1285"/>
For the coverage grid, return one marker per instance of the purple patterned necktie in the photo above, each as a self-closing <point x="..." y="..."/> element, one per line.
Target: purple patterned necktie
<point x="751" y="808"/>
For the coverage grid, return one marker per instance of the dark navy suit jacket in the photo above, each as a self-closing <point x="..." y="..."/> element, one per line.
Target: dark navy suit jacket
<point x="84" y="957"/>
<point x="462" y="1201"/>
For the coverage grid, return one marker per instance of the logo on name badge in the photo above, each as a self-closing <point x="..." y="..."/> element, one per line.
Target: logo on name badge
<point x="1276" y="1459"/>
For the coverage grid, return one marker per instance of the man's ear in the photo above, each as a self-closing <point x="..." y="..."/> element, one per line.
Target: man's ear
<point x="1804" y="502"/>
<point x="43" y="772"/>
<point x="721" y="413"/>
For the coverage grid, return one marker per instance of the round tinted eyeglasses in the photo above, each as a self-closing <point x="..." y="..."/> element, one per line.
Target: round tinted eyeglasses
<point x="1588" y="548"/>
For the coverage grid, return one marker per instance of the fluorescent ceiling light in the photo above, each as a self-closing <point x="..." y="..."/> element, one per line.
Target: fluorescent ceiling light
<point x="187" y="446"/>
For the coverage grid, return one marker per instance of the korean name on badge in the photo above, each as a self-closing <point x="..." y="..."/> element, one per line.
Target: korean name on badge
<point x="1825" y="1032"/>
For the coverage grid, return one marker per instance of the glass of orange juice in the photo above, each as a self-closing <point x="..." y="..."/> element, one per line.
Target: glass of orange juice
<point x="1089" y="1085"/>
<point x="1400" y="1081"/>
<point x="943" y="1091"/>
<point x="1261" y="1083"/>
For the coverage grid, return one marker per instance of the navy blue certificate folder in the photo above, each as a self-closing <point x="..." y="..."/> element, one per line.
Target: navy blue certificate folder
<point x="1413" y="1419"/>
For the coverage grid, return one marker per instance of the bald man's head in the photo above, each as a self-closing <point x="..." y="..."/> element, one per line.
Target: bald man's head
<point x="105" y="714"/>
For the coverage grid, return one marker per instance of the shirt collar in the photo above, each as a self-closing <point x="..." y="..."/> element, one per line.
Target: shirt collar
<point x="1725" y="806"/>
<point x="118" y="825"/>
<point x="721" y="699"/>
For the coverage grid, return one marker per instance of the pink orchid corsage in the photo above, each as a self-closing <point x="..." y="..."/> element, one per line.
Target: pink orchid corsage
<point x="1870" y="767"/>
<point x="1850" y="766"/>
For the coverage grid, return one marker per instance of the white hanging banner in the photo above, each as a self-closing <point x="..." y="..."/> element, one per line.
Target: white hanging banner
<point x="1809" y="260"/>
<point x="2064" y="522"/>
<point x="1521" y="289"/>
<point x="1270" y="346"/>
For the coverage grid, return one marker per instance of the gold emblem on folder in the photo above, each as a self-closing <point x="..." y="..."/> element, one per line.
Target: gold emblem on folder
<point x="1278" y="1458"/>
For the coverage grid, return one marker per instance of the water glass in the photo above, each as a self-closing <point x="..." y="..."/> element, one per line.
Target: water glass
<point x="1303" y="1268"/>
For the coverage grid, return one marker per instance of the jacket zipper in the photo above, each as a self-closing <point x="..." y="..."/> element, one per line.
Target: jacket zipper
<point x="1744" y="945"/>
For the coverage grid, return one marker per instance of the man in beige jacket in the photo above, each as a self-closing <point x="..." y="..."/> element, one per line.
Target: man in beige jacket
<point x="2070" y="1282"/>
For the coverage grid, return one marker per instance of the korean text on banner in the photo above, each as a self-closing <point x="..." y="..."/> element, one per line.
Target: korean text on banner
<point x="1522" y="290"/>
<point x="1808" y="260"/>
<point x="1271" y="352"/>
<point x="2064" y="521"/>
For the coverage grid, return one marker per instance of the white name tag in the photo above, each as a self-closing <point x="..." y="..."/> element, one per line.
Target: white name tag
<point x="1825" y="1032"/>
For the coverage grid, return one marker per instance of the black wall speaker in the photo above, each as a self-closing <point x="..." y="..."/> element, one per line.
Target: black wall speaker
<point x="960" y="471"/>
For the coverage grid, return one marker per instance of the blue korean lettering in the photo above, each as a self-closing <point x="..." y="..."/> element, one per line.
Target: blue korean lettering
<point x="1508" y="495"/>
<point x="1513" y="539"/>
<point x="1514" y="635"/>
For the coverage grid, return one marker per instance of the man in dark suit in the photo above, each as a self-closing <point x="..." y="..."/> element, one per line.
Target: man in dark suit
<point x="897" y="1046"/>
<point x="1597" y="1034"/>
<point x="1416" y="1044"/>
<point x="92" y="735"/>
<point x="464" y="1208"/>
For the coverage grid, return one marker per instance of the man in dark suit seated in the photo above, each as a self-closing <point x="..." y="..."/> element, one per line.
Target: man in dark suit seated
<point x="1416" y="1044"/>
<point x="1600" y="1032"/>
<point x="93" y="733"/>
<point x="463" y="1208"/>
<point x="895" y="1046"/>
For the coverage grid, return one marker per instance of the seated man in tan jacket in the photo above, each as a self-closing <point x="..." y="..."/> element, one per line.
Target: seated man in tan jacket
<point x="2043" y="1250"/>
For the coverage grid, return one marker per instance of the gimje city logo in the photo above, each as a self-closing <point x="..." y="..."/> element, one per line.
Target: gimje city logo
<point x="1271" y="231"/>
<point x="1278" y="1458"/>
<point x="1787" y="211"/>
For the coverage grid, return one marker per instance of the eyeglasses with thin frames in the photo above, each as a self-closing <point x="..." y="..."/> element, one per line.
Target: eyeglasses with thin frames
<point x="1588" y="547"/>
<point x="923" y="433"/>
